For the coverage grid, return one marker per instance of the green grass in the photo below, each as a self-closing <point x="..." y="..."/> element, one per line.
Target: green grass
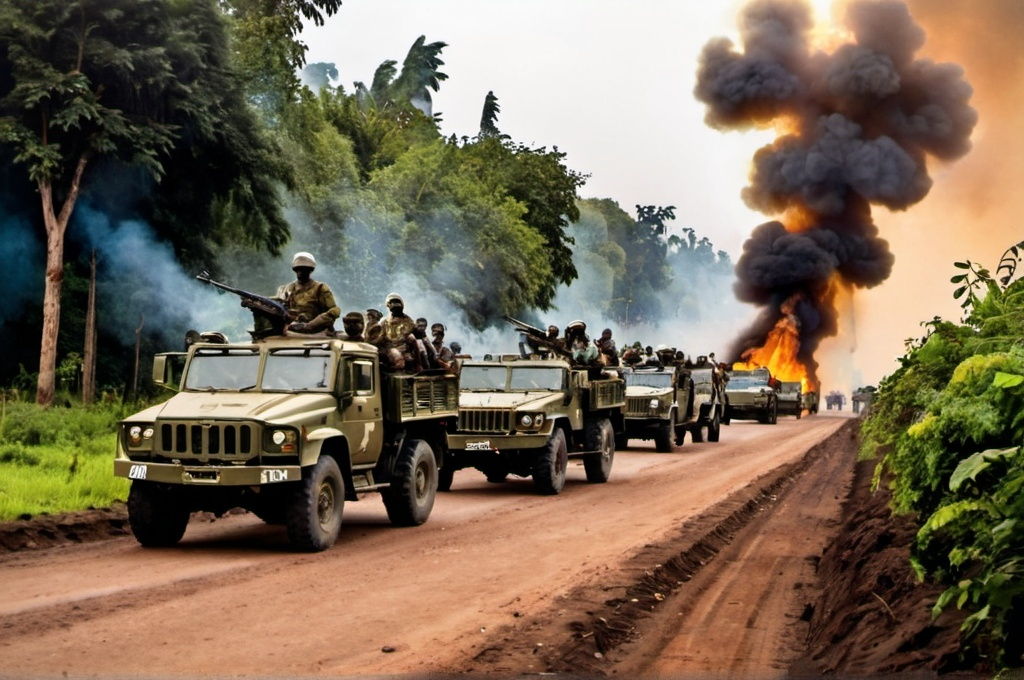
<point x="58" y="460"/>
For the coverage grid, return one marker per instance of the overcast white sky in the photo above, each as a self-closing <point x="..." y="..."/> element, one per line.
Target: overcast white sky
<point x="610" y="82"/>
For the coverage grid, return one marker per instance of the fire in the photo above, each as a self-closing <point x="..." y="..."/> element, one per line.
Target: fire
<point x="779" y="352"/>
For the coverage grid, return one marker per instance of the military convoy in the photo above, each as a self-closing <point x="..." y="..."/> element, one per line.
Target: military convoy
<point x="289" y="427"/>
<point x="528" y="417"/>
<point x="753" y="395"/>
<point x="663" y="403"/>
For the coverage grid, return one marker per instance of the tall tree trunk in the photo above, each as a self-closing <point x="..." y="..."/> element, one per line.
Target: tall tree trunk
<point x="56" y="225"/>
<point x="89" y="353"/>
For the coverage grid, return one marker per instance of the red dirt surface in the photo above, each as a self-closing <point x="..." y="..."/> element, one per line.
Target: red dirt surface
<point x="798" y="572"/>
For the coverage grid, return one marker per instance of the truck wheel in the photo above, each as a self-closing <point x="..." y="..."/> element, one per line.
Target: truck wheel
<point x="773" y="418"/>
<point x="314" y="513"/>
<point x="549" y="470"/>
<point x="697" y="433"/>
<point x="445" y="477"/>
<point x="600" y="437"/>
<point x="157" y="516"/>
<point x="621" y="441"/>
<point x="666" y="431"/>
<point x="715" y="428"/>
<point x="410" y="497"/>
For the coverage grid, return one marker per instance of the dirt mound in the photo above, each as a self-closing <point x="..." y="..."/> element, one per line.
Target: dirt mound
<point x="47" y="531"/>
<point x="874" y="616"/>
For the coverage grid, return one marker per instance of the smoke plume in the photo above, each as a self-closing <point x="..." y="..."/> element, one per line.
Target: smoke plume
<point x="857" y="124"/>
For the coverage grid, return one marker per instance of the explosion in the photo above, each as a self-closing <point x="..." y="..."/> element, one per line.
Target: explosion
<point x="856" y="125"/>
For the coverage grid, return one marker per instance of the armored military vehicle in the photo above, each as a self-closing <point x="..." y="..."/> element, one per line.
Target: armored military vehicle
<point x="663" y="403"/>
<point x="528" y="417"/>
<point x="289" y="427"/>
<point x="790" y="399"/>
<point x="753" y="395"/>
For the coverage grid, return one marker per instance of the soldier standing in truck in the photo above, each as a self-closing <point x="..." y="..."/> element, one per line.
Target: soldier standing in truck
<point x="609" y="355"/>
<point x="445" y="356"/>
<point x="354" y="325"/>
<point x="310" y="303"/>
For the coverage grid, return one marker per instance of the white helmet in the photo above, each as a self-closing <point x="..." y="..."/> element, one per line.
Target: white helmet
<point x="304" y="259"/>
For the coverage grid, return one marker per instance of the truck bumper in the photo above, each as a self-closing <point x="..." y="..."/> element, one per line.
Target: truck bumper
<point x="206" y="475"/>
<point x="482" y="443"/>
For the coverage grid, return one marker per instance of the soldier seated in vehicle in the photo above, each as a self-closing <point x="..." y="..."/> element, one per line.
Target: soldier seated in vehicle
<point x="395" y="338"/>
<point x="576" y="341"/>
<point x="354" y="326"/>
<point x="608" y="355"/>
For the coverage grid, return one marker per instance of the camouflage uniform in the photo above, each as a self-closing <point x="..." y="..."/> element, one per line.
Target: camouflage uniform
<point x="311" y="303"/>
<point x="394" y="332"/>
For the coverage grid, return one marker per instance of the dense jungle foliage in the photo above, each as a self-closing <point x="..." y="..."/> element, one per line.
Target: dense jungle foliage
<point x="209" y="144"/>
<point x="949" y="427"/>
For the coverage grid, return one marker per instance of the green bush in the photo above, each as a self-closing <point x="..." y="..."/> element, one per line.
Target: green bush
<point x="948" y="426"/>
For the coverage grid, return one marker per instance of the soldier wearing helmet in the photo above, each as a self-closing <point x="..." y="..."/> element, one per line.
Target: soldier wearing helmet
<point x="609" y="354"/>
<point x="577" y="342"/>
<point x="310" y="302"/>
<point x="395" y="337"/>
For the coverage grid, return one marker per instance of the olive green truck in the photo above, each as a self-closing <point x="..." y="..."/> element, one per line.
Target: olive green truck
<point x="288" y="427"/>
<point x="528" y="417"/>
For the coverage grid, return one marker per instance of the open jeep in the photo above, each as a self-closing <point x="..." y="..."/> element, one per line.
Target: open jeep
<point x="527" y="417"/>
<point x="289" y="427"/>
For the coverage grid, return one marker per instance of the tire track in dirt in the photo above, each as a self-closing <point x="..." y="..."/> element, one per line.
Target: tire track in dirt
<point x="690" y="604"/>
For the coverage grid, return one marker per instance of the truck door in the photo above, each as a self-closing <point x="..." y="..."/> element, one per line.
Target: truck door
<point x="363" y="415"/>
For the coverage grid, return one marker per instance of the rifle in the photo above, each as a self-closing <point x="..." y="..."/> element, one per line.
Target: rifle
<point x="539" y="336"/>
<point x="273" y="311"/>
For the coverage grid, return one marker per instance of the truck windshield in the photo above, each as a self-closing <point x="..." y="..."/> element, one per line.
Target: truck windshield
<point x="741" y="379"/>
<point x="298" y="369"/>
<point x="221" y="369"/>
<point x="483" y="377"/>
<point x="535" y="378"/>
<point x="649" y="379"/>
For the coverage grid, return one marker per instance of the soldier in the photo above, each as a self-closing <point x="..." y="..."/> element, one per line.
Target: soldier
<point x="354" y="326"/>
<point x="577" y="342"/>
<point x="457" y="350"/>
<point x="310" y="301"/>
<point x="445" y="356"/>
<point x="609" y="355"/>
<point x="395" y="334"/>
<point x="373" y="317"/>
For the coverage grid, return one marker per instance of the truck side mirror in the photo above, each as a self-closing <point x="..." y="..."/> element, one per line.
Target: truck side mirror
<point x="167" y="369"/>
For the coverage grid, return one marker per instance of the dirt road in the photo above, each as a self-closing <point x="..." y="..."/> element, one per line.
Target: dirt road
<point x="500" y="580"/>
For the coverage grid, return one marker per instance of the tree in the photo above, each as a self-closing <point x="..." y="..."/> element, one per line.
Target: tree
<point x="489" y="116"/>
<point x="124" y="81"/>
<point x="267" y="46"/>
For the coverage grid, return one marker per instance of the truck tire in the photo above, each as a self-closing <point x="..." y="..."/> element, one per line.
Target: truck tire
<point x="600" y="436"/>
<point x="774" y="413"/>
<point x="621" y="441"/>
<point x="666" y="432"/>
<point x="445" y="477"/>
<point x="697" y="433"/>
<point x="549" y="470"/>
<point x="156" y="515"/>
<point x="314" y="512"/>
<point x="410" y="496"/>
<point x="715" y="427"/>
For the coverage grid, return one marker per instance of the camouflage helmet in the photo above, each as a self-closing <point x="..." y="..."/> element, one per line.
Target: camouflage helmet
<point x="303" y="259"/>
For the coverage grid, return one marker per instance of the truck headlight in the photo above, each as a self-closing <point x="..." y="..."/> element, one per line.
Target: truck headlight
<point x="531" y="421"/>
<point x="139" y="435"/>
<point x="282" y="440"/>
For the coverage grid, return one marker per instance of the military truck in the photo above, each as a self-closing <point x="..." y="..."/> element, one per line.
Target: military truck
<point x="663" y="403"/>
<point x="753" y="395"/>
<point x="810" y="402"/>
<point x="528" y="417"/>
<point x="288" y="427"/>
<point x="790" y="399"/>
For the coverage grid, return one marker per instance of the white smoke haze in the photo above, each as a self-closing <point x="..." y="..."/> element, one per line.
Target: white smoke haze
<point x="22" y="280"/>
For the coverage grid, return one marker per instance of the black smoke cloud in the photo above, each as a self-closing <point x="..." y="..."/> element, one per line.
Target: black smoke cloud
<point x="859" y="125"/>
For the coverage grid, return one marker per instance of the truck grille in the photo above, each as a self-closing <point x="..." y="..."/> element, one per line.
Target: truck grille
<point x="196" y="439"/>
<point x="637" y="407"/>
<point x="607" y="393"/>
<point x="485" y="420"/>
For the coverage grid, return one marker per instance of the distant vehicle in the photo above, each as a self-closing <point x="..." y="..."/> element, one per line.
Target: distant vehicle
<point x="810" y="402"/>
<point x="835" y="399"/>
<point x="791" y="401"/>
<point x="753" y="395"/>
